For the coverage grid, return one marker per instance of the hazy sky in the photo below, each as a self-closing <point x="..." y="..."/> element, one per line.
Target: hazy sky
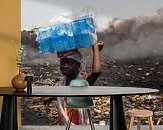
<point x="39" y="12"/>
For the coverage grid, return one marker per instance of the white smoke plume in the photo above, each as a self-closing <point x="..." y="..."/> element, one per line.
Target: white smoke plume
<point x="138" y="37"/>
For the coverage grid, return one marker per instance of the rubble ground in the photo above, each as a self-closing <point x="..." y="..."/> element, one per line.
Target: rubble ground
<point x="137" y="73"/>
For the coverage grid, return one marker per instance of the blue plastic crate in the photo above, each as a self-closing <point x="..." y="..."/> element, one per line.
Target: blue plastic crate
<point x="66" y="36"/>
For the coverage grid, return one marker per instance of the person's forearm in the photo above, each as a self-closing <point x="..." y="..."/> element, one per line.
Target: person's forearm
<point x="96" y="66"/>
<point x="92" y="78"/>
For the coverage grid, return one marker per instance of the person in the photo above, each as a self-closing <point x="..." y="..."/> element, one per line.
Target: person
<point x="70" y="66"/>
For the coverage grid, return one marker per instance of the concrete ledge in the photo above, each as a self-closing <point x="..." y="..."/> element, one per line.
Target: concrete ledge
<point x="98" y="127"/>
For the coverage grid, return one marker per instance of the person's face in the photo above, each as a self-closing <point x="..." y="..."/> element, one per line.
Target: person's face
<point x="69" y="67"/>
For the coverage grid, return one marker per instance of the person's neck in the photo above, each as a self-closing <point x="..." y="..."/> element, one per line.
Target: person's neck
<point x="69" y="78"/>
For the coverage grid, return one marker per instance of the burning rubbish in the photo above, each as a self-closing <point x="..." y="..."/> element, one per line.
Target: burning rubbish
<point x="129" y="39"/>
<point x="133" y="56"/>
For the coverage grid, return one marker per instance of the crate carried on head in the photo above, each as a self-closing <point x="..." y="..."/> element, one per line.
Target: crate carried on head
<point x="78" y="33"/>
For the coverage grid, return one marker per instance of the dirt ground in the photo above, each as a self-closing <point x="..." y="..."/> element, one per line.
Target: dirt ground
<point x="137" y="73"/>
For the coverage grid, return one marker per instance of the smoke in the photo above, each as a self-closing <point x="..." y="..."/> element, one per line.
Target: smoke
<point x="139" y="37"/>
<point x="124" y="39"/>
<point x="28" y="39"/>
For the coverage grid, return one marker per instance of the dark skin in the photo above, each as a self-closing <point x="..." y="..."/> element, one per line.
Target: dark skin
<point x="70" y="67"/>
<point x="96" y="64"/>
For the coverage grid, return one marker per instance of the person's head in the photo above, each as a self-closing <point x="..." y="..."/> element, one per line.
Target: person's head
<point x="70" y="62"/>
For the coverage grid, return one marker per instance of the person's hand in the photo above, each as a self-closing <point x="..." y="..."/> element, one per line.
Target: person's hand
<point x="98" y="45"/>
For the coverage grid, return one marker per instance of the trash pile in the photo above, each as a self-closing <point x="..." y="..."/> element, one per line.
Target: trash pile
<point x="138" y="73"/>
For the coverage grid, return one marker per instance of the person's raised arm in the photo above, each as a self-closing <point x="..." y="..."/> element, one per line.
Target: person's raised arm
<point x="96" y="65"/>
